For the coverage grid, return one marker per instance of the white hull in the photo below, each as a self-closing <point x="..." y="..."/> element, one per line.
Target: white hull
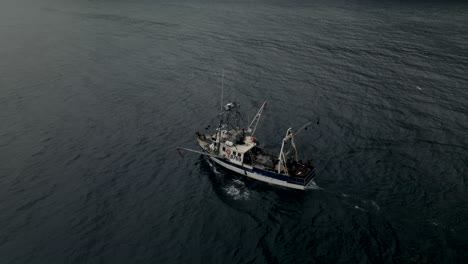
<point x="257" y="176"/>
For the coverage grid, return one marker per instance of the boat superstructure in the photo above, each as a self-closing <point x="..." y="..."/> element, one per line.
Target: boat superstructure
<point x="237" y="150"/>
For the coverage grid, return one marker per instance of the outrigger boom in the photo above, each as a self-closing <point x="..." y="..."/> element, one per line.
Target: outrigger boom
<point x="196" y="151"/>
<point x="256" y="119"/>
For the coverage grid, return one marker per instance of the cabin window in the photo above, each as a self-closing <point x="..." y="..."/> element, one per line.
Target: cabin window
<point x="238" y="154"/>
<point x="234" y="153"/>
<point x="224" y="149"/>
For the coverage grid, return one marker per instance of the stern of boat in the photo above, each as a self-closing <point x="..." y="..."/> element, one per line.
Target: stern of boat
<point x="302" y="173"/>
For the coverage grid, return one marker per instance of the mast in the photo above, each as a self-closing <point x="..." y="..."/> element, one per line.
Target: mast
<point x="222" y="90"/>
<point x="218" y="133"/>
<point x="282" y="157"/>
<point x="253" y="125"/>
<point x="292" y="135"/>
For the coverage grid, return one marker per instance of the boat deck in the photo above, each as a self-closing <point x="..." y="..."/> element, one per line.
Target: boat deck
<point x="265" y="160"/>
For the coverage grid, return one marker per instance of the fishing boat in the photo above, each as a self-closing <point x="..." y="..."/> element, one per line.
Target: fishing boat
<point x="237" y="149"/>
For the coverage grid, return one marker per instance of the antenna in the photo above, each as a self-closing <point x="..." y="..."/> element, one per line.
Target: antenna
<point x="222" y="91"/>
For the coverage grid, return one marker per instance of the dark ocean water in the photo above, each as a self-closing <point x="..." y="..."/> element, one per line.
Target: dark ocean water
<point x="95" y="96"/>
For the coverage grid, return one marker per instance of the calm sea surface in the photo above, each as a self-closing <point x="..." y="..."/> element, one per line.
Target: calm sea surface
<point x="95" y="96"/>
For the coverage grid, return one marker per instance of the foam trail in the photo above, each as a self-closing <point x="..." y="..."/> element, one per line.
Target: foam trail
<point x="237" y="193"/>
<point x="312" y="186"/>
<point x="213" y="167"/>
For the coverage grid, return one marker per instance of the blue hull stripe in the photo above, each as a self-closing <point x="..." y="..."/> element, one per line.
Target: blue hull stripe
<point x="270" y="174"/>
